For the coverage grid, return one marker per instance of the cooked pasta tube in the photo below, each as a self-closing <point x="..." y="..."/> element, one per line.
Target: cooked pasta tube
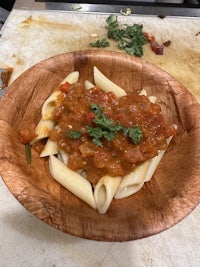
<point x="107" y="187"/>
<point x="71" y="78"/>
<point x="50" y="103"/>
<point x="43" y="129"/>
<point x="143" y="92"/>
<point x="154" y="162"/>
<point x="88" y="85"/>
<point x="132" y="182"/>
<point x="152" y="98"/>
<point x="45" y="124"/>
<point x="71" y="180"/>
<point x="63" y="156"/>
<point x="104" y="192"/>
<point x="102" y="82"/>
<point x="50" y="148"/>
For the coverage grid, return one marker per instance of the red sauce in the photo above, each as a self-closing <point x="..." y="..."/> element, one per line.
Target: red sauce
<point x="119" y="156"/>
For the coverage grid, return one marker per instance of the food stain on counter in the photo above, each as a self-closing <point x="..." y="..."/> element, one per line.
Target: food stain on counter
<point x="48" y="37"/>
<point x="39" y="36"/>
<point x="43" y="21"/>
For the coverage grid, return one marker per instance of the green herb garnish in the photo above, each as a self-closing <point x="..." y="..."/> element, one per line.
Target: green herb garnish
<point x="96" y="109"/>
<point x="104" y="122"/>
<point x="130" y="38"/>
<point x="135" y="133"/>
<point x="74" y="134"/>
<point x="96" y="134"/>
<point x="108" y="128"/>
<point x="100" y="43"/>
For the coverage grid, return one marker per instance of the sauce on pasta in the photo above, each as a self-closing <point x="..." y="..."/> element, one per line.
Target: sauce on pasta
<point x="115" y="157"/>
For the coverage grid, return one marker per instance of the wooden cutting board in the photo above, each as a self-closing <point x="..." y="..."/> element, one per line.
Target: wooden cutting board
<point x="40" y="35"/>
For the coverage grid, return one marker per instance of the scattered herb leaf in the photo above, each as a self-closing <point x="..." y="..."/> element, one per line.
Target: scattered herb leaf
<point x="135" y="134"/>
<point x="108" y="128"/>
<point x="130" y="38"/>
<point x="100" y="43"/>
<point x="74" y="134"/>
<point x="96" y="109"/>
<point x="96" y="134"/>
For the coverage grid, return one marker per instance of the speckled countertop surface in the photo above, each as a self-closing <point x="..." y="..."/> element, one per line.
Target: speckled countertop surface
<point x="27" y="38"/>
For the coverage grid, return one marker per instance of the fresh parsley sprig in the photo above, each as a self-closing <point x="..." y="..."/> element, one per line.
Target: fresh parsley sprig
<point x="135" y="133"/>
<point x="73" y="134"/>
<point x="108" y="128"/>
<point x="100" y="43"/>
<point x="130" y="38"/>
<point x="105" y="127"/>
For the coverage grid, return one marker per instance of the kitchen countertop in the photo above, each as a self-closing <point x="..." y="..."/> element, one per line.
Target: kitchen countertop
<point x="31" y="36"/>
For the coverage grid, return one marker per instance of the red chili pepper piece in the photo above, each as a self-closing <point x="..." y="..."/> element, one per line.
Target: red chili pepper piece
<point x="65" y="87"/>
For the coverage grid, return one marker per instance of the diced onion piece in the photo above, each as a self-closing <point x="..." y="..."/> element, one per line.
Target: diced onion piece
<point x="160" y="50"/>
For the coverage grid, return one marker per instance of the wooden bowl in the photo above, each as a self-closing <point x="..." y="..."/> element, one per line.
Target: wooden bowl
<point x="174" y="190"/>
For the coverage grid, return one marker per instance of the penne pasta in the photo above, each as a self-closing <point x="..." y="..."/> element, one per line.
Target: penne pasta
<point x="107" y="85"/>
<point x="143" y="92"/>
<point x="88" y="85"/>
<point x="154" y="163"/>
<point x="71" y="78"/>
<point x="132" y="182"/>
<point x="152" y="99"/>
<point x="71" y="180"/>
<point x="62" y="155"/>
<point x="43" y="129"/>
<point x="50" y="148"/>
<point x="49" y="105"/>
<point x="104" y="192"/>
<point x="107" y="187"/>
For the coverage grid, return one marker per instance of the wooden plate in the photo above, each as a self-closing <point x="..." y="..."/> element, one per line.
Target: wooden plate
<point x="173" y="192"/>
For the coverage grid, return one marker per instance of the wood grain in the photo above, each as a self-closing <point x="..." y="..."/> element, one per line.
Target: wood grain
<point x="171" y="195"/>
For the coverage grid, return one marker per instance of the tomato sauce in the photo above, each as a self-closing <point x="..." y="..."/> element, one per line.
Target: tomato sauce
<point x="120" y="155"/>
